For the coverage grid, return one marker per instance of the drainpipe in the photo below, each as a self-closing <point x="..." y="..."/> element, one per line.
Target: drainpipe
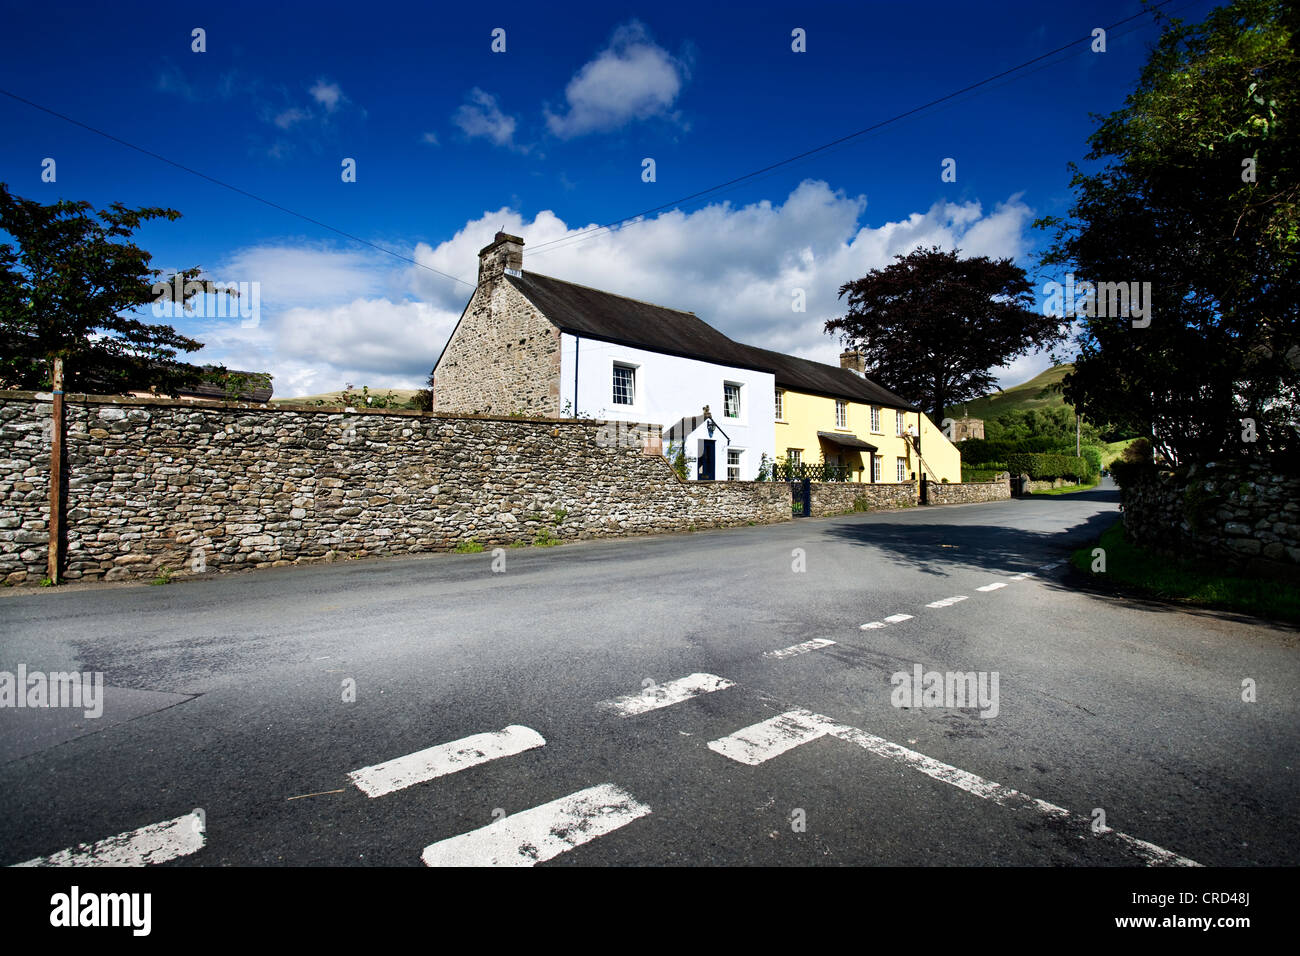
<point x="576" y="342"/>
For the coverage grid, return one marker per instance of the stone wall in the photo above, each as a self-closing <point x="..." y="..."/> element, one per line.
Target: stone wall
<point x="953" y="494"/>
<point x="154" y="484"/>
<point x="1238" y="514"/>
<point x="1042" y="485"/>
<point x="841" y="497"/>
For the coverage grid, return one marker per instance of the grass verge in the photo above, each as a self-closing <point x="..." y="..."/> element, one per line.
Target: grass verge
<point x="1186" y="582"/>
<point x="1068" y="489"/>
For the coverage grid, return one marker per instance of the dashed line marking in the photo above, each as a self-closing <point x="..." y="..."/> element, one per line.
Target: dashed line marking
<point x="761" y="742"/>
<point x="947" y="602"/>
<point x="815" y="644"/>
<point x="897" y="618"/>
<point x="156" y="843"/>
<point x="874" y="625"/>
<point x="993" y="587"/>
<point x="542" y="833"/>
<point x="401" y="772"/>
<point x="665" y="695"/>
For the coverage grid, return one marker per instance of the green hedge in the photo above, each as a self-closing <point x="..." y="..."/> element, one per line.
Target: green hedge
<point x="1046" y="467"/>
<point x="983" y="472"/>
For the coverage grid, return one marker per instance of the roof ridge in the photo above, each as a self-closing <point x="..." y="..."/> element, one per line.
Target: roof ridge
<point x="656" y="305"/>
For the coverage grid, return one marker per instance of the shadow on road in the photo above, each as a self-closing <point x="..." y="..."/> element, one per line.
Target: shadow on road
<point x="936" y="545"/>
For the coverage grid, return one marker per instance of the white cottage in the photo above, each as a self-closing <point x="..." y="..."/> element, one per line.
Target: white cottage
<point x="530" y="344"/>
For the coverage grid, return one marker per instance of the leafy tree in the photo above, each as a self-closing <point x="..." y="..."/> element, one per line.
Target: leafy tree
<point x="1198" y="193"/>
<point x="68" y="289"/>
<point x="932" y="325"/>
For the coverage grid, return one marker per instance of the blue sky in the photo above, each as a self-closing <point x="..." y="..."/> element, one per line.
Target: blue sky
<point x="453" y="141"/>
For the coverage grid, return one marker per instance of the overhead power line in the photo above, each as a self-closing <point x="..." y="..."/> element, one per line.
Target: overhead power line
<point x="637" y="217"/>
<point x="585" y="234"/>
<point x="226" y="185"/>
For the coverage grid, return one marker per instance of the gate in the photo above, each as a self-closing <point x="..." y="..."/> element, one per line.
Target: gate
<point x="801" y="498"/>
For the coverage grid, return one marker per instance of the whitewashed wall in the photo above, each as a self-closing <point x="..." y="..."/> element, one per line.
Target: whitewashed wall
<point x="669" y="388"/>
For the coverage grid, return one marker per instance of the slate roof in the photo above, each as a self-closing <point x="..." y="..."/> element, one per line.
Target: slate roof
<point x="805" y="375"/>
<point x="594" y="314"/>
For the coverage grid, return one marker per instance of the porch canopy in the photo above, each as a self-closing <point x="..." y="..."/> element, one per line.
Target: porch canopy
<point x="852" y="442"/>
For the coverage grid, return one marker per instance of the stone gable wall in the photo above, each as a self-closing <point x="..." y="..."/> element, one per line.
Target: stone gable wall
<point x="502" y="359"/>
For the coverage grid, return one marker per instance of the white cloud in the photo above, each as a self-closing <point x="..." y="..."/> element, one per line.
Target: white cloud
<point x="430" y="138"/>
<point x="366" y="341"/>
<point x="735" y="267"/>
<point x="327" y="95"/>
<point x="482" y="117"/>
<point x="305" y="275"/>
<point x="631" y="79"/>
<point x="332" y="315"/>
<point x="291" y="116"/>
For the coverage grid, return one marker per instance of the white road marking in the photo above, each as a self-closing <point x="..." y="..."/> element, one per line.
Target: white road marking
<point x="873" y="625"/>
<point x="1149" y="853"/>
<point x="771" y="738"/>
<point x="947" y="602"/>
<point x="542" y="833"/>
<point x="897" y="618"/>
<point x="665" y="695"/>
<point x="1051" y="567"/>
<point x="402" y="772"/>
<point x="156" y="843"/>
<point x="993" y="587"/>
<point x="763" y="741"/>
<point x="815" y="644"/>
<point x="1023" y="575"/>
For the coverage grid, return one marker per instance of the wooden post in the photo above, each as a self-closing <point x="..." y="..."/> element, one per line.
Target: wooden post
<point x="56" y="473"/>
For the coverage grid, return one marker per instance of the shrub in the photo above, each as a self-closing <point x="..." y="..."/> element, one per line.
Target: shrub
<point x="1135" y="462"/>
<point x="1047" y="467"/>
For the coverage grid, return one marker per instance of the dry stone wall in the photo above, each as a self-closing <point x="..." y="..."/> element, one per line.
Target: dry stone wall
<point x="939" y="493"/>
<point x="1239" y="514"/>
<point x="155" y="485"/>
<point x="841" y="497"/>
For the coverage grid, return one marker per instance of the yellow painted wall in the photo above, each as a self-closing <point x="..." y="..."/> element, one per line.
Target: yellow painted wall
<point x="804" y="415"/>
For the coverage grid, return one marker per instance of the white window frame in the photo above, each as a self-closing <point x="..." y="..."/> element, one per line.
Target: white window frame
<point x="902" y="469"/>
<point x="794" y="456"/>
<point x="898" y="420"/>
<point x="613" y="391"/>
<point x="779" y="404"/>
<point x="876" y="463"/>
<point x="739" y="407"/>
<point x="841" y="413"/>
<point x="739" y="465"/>
<point x="875" y="419"/>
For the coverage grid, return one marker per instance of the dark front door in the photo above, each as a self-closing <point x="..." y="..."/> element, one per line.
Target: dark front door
<point x="706" y="459"/>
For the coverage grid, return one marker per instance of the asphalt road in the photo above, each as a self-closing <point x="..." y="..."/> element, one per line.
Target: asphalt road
<point x="228" y="694"/>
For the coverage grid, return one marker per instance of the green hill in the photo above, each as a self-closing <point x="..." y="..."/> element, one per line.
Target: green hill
<point x="1017" y="398"/>
<point x="335" y="398"/>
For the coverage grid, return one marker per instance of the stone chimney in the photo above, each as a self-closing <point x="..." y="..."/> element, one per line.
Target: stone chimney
<point x="505" y="252"/>
<point x="854" y="361"/>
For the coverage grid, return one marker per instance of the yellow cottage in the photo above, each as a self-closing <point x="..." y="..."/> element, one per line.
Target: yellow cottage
<point x="840" y="417"/>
